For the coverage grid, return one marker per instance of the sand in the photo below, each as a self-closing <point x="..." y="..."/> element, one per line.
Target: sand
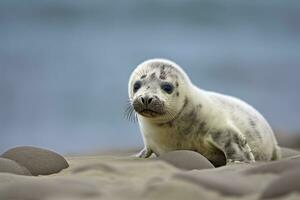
<point x="125" y="177"/>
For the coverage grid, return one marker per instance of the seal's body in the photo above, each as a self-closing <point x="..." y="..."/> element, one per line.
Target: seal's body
<point x="174" y="114"/>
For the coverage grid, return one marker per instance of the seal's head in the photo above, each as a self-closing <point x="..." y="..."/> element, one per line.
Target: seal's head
<point x="157" y="89"/>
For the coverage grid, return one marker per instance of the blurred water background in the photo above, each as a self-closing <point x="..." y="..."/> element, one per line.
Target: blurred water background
<point x="64" y="64"/>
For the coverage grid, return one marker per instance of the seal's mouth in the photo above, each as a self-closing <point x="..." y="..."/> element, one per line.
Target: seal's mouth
<point x="149" y="113"/>
<point x="148" y="107"/>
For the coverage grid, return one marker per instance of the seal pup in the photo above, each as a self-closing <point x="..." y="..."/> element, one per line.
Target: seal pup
<point x="174" y="114"/>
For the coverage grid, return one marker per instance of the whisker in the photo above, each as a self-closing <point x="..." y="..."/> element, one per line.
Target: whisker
<point x="129" y="112"/>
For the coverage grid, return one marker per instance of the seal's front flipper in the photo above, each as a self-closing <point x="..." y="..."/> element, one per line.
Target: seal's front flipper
<point x="144" y="153"/>
<point x="234" y="146"/>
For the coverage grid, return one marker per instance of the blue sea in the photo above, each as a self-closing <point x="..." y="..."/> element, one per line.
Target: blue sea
<point x="65" y="64"/>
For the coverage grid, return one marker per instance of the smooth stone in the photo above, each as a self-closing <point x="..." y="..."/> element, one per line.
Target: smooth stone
<point x="39" y="189"/>
<point x="186" y="160"/>
<point x="38" y="161"/>
<point x="284" y="185"/>
<point x="228" y="184"/>
<point x="275" y="167"/>
<point x="10" y="166"/>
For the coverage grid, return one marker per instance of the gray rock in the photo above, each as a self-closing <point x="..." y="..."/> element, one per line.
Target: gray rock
<point x="38" y="161"/>
<point x="10" y="166"/>
<point x="284" y="185"/>
<point x="187" y="160"/>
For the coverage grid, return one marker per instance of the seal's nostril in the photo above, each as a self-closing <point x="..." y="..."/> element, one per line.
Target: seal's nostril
<point x="143" y="100"/>
<point x="146" y="100"/>
<point x="150" y="100"/>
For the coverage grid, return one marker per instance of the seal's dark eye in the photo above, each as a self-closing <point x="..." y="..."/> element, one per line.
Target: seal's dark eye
<point x="137" y="85"/>
<point x="167" y="87"/>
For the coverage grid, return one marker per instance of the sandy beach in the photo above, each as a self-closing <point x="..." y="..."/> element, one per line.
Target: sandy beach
<point x="176" y="175"/>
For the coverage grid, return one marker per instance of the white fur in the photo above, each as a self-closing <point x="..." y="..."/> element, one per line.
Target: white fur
<point x="220" y="112"/>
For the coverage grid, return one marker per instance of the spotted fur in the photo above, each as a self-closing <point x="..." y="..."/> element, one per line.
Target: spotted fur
<point x="220" y="127"/>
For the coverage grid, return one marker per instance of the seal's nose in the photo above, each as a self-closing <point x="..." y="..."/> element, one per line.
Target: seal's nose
<point x="146" y="100"/>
